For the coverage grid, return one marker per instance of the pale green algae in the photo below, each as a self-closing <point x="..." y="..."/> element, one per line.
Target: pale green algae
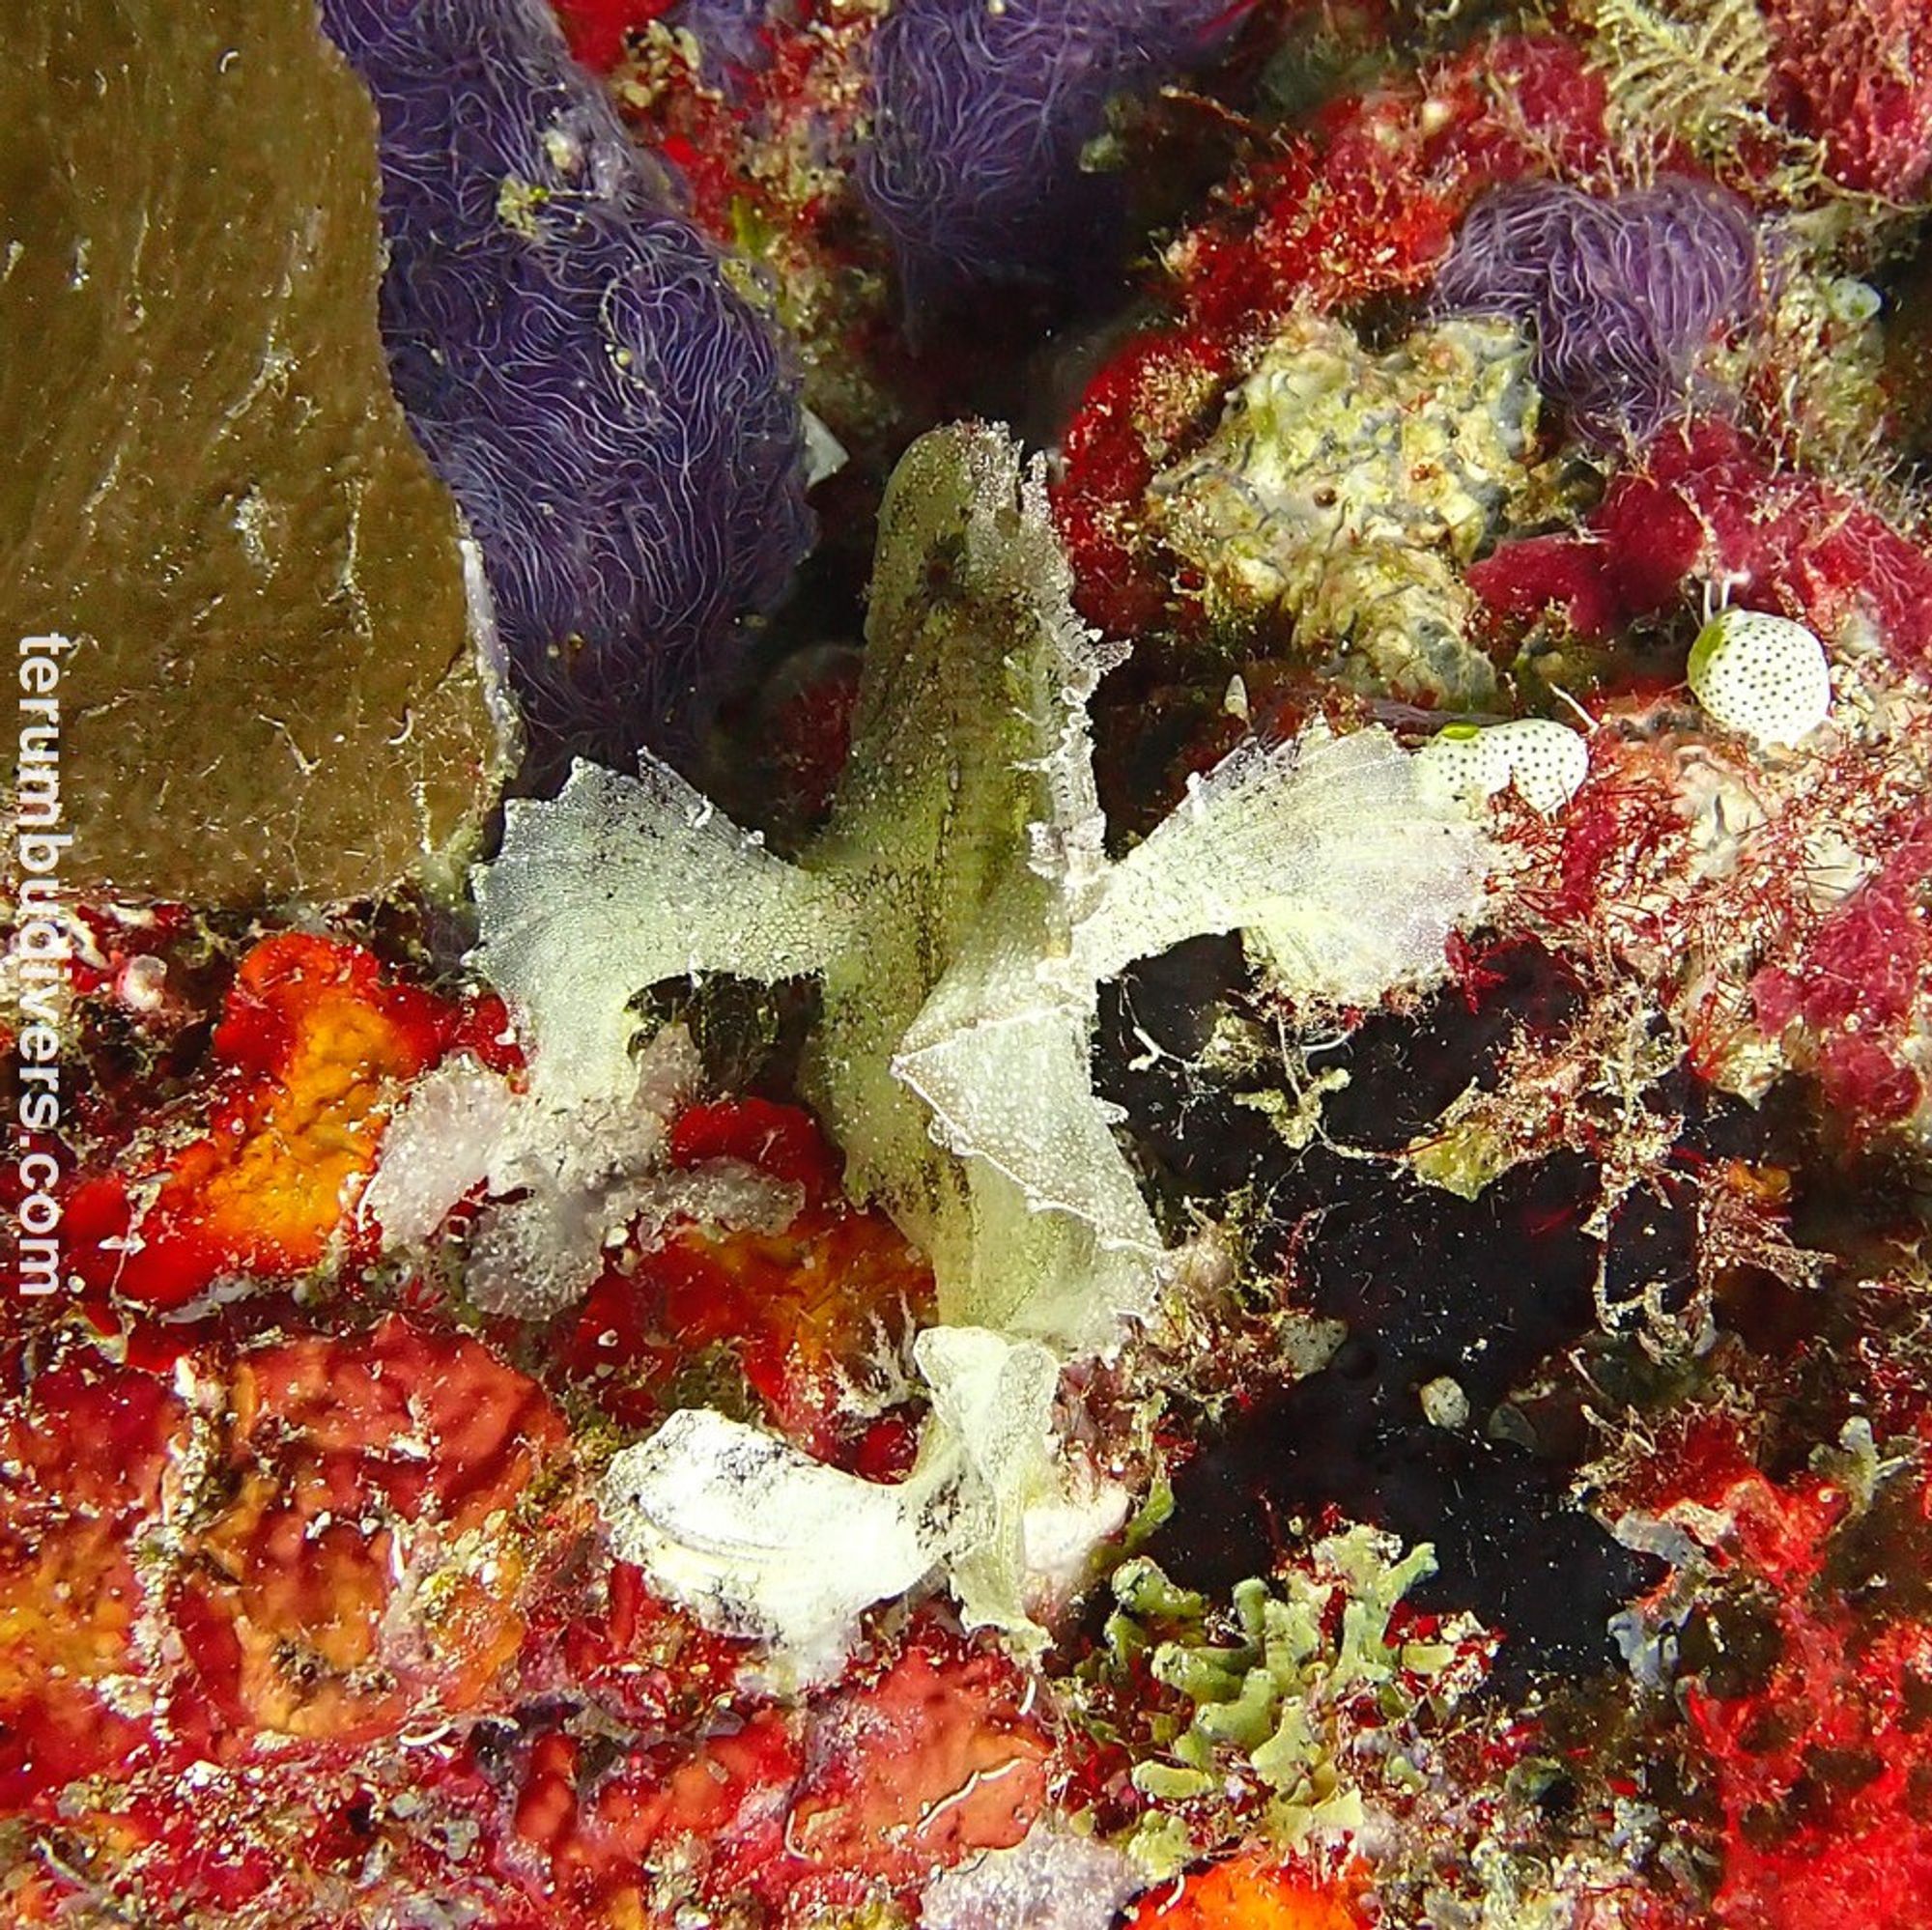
<point x="1275" y="1693"/>
<point x="960" y="909"/>
<point x="1345" y="491"/>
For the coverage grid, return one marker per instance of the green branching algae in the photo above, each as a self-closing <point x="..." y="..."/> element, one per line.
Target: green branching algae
<point x="1281" y="1711"/>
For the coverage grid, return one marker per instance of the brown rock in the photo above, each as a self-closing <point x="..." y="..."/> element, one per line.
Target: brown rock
<point x="207" y="484"/>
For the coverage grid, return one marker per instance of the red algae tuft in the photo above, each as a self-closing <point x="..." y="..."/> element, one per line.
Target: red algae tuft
<point x="1706" y="507"/>
<point x="1858" y="80"/>
<point x="803" y="1317"/>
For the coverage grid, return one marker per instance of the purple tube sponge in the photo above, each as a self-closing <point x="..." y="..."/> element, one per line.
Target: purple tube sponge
<point x="617" y="424"/>
<point x="981" y="114"/>
<point x="1620" y="293"/>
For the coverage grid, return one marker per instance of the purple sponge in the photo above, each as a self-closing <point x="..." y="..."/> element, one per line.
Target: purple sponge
<point x="1621" y="292"/>
<point x="619" y="426"/>
<point x="982" y="111"/>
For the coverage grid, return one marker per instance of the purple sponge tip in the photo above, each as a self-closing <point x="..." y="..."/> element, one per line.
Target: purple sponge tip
<point x="618" y="425"/>
<point x="977" y="168"/>
<point x="1621" y="292"/>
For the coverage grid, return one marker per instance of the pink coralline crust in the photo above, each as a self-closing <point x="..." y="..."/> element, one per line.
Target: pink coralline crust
<point x="638" y="1658"/>
<point x="348" y="1464"/>
<point x="932" y="1759"/>
<point x="246" y="1620"/>
<point x="1856" y="76"/>
<point x="1860" y="985"/>
<point x="1707" y="506"/>
<point x="927" y="1754"/>
<point x="580" y="1835"/>
<point x="794" y="1313"/>
<point x="245" y="1592"/>
<point x="333" y="1469"/>
<point x="83" y="1450"/>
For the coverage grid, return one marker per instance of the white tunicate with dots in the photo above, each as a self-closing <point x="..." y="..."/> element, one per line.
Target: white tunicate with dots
<point x="1763" y="676"/>
<point x="1546" y="761"/>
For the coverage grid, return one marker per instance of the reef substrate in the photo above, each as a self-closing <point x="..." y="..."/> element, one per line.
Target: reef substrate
<point x="1014" y="1008"/>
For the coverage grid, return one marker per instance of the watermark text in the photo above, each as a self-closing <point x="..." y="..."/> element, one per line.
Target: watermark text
<point x="39" y="953"/>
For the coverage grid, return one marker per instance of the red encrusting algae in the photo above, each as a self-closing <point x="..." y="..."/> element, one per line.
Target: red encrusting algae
<point x="800" y="1316"/>
<point x="1707" y="506"/>
<point x="315" y="1047"/>
<point x="1856" y="76"/>
<point x="1822" y="1772"/>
